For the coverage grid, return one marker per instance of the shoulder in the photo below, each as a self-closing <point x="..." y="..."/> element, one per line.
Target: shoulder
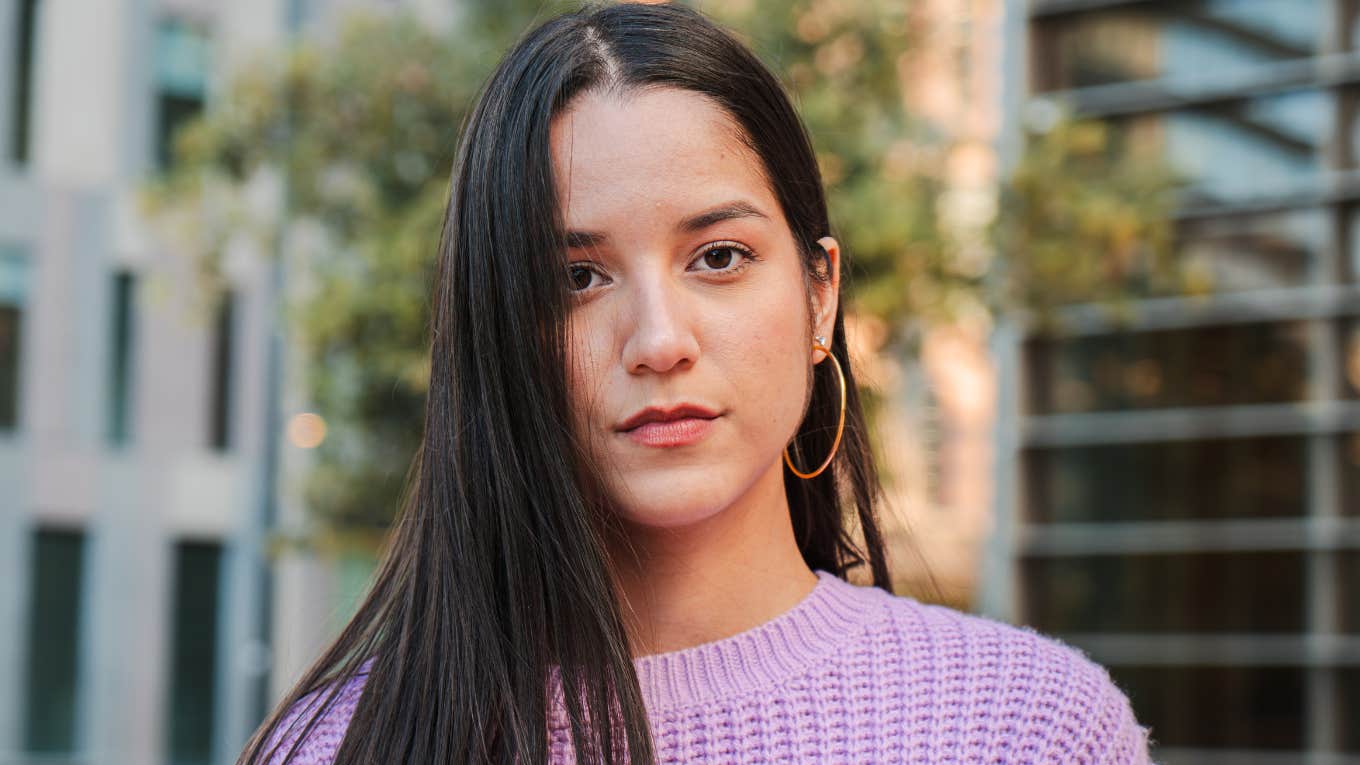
<point x="1045" y="696"/>
<point x="328" y="721"/>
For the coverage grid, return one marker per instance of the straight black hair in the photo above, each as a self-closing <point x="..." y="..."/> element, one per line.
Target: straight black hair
<point x="495" y="586"/>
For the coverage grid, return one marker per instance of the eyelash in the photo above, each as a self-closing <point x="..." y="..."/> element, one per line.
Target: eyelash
<point x="747" y="257"/>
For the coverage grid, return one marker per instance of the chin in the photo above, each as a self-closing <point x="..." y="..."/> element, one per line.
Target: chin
<point x="661" y="506"/>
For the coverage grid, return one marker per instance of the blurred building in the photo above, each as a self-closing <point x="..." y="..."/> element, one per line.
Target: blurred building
<point x="1181" y="499"/>
<point x="140" y="432"/>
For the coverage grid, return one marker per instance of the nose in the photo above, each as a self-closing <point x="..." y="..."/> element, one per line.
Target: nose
<point x="662" y="336"/>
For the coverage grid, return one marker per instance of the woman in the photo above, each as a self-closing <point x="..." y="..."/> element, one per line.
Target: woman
<point x="643" y="443"/>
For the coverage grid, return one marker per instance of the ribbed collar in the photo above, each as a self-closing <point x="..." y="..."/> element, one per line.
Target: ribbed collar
<point x="827" y="618"/>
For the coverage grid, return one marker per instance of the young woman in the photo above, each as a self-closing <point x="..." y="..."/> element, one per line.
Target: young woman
<point x="645" y="468"/>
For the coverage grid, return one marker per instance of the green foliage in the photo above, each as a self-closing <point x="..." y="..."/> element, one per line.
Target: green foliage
<point x="357" y="142"/>
<point x="1087" y="218"/>
<point x="365" y="331"/>
<point x="845" y="64"/>
<point x="338" y="158"/>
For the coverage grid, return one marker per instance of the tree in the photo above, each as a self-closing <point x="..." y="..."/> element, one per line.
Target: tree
<point x="360" y="141"/>
<point x="337" y="157"/>
<point x="1087" y="217"/>
<point x="844" y="63"/>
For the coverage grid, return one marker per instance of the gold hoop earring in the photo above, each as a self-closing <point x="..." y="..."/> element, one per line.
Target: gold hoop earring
<point x="820" y="343"/>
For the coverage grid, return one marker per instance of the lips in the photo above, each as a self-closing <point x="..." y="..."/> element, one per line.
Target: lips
<point x="681" y="411"/>
<point x="686" y="431"/>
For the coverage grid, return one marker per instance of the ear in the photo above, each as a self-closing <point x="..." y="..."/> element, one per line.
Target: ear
<point x="826" y="296"/>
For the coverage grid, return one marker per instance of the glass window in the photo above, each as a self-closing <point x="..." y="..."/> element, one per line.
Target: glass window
<point x="1350" y="358"/>
<point x="22" y="86"/>
<point x="13" y="292"/>
<point x="181" y="77"/>
<point x="220" y="377"/>
<point x="1214" y="707"/>
<point x="173" y="112"/>
<point x="1256" y="363"/>
<point x="1348" y="451"/>
<point x="1347" y="569"/>
<point x="1348" y="707"/>
<point x="1253" y="252"/>
<point x="1166" y="592"/>
<point x="53" y="641"/>
<point x="1348" y="127"/>
<point x="11" y="327"/>
<point x="1172" y="38"/>
<point x="193" y="686"/>
<point x="120" y="358"/>
<point x="1238" y="150"/>
<point x="1349" y="266"/>
<point x="1264" y="477"/>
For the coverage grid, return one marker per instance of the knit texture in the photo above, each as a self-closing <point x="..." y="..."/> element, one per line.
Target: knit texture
<point x="856" y="675"/>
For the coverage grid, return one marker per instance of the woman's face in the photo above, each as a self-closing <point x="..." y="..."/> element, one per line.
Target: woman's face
<point x="688" y="290"/>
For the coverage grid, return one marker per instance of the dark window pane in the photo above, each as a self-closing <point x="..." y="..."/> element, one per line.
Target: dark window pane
<point x="174" y="113"/>
<point x="1204" y="366"/>
<point x="1218" y="707"/>
<point x="1348" y="452"/>
<point x="181" y="79"/>
<point x="1172" y="38"/>
<point x="1348" y="707"/>
<point x="53" y="640"/>
<point x="22" y="86"/>
<point x="1264" y="477"/>
<point x="220" y="378"/>
<point x="1350" y="358"/>
<point x="13" y="296"/>
<point x="1348" y="126"/>
<point x="192" y="684"/>
<point x="1349" y="265"/>
<point x="1253" y="252"/>
<point x="11" y="327"/>
<point x="1348" y="589"/>
<point x="120" y="357"/>
<point x="1166" y="592"/>
<point x="1241" y="149"/>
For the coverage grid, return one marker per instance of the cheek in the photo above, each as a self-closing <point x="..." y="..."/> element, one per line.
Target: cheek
<point x="585" y="376"/>
<point x="766" y="355"/>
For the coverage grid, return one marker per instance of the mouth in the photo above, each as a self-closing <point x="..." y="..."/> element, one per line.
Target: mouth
<point x="671" y="433"/>
<point x="659" y="413"/>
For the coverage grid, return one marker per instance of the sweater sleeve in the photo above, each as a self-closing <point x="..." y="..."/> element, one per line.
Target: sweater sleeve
<point x="1087" y="718"/>
<point x="1102" y="717"/>
<point x="1127" y="740"/>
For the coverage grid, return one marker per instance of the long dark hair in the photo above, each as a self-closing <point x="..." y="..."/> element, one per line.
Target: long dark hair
<point x="497" y="573"/>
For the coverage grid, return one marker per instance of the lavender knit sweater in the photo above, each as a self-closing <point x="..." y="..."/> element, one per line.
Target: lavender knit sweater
<point x="857" y="675"/>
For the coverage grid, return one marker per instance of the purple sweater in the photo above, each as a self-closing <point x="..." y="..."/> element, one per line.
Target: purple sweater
<point x="856" y="674"/>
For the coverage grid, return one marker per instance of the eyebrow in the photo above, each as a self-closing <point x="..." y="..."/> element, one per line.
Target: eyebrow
<point x="726" y="211"/>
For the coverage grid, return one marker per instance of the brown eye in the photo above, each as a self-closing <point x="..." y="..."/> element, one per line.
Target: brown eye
<point x="719" y="257"/>
<point x="726" y="259"/>
<point x="579" y="276"/>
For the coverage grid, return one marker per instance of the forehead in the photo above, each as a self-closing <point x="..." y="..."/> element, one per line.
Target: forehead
<point x="662" y="147"/>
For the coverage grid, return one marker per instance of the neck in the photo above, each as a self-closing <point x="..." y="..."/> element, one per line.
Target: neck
<point x="734" y="570"/>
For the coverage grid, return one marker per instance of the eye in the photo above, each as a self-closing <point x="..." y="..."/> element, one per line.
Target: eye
<point x="579" y="275"/>
<point x="725" y="257"/>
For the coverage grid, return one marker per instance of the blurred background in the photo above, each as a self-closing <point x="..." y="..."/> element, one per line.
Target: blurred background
<point x="1104" y="296"/>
